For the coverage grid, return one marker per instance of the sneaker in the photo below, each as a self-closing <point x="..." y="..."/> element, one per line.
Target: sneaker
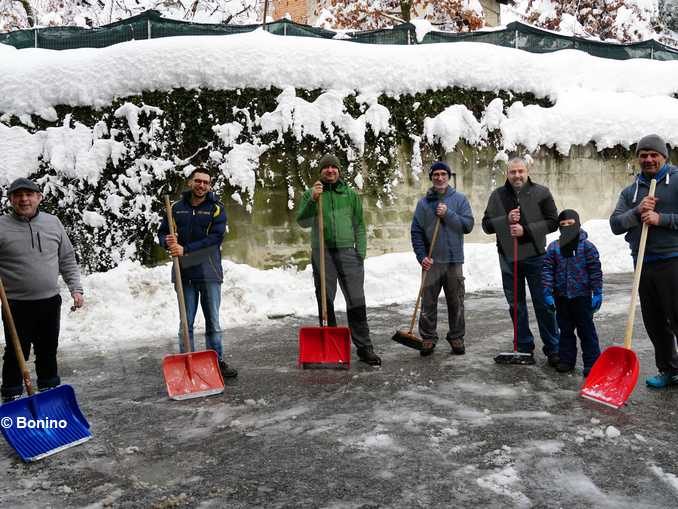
<point x="553" y="359"/>
<point x="425" y="352"/>
<point x="564" y="368"/>
<point x="457" y="345"/>
<point x="368" y="356"/>
<point x="227" y="371"/>
<point x="659" y="381"/>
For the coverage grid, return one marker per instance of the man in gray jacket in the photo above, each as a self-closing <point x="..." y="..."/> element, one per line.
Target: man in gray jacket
<point x="659" y="279"/>
<point x="34" y="250"/>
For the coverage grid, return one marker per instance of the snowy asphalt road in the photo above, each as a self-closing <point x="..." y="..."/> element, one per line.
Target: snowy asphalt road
<point x="436" y="432"/>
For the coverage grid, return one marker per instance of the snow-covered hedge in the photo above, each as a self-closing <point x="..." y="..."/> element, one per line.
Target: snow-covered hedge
<point x="105" y="170"/>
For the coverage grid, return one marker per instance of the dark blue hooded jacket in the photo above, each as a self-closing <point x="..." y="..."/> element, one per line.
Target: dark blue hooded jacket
<point x="200" y="231"/>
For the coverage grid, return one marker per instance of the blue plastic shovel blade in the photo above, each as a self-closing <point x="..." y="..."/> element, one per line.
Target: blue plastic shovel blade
<point x="45" y="423"/>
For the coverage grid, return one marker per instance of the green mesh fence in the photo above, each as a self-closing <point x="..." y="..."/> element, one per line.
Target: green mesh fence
<point x="151" y="25"/>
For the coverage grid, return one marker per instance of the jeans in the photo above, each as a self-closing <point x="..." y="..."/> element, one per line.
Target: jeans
<point x="37" y="324"/>
<point x="448" y="277"/>
<point x="209" y="294"/>
<point x="530" y="269"/>
<point x="576" y="314"/>
<point x="345" y="266"/>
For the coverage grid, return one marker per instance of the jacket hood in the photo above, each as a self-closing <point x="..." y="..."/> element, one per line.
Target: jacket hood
<point x="641" y="180"/>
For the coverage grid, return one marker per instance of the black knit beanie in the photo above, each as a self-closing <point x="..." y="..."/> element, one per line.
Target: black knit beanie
<point x="439" y="165"/>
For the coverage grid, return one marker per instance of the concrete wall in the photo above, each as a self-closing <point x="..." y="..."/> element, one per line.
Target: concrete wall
<point x="586" y="181"/>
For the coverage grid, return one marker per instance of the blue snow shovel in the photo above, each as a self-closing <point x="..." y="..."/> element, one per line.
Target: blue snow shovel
<point x="41" y="424"/>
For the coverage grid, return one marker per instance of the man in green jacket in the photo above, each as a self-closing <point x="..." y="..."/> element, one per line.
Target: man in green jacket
<point x="345" y="249"/>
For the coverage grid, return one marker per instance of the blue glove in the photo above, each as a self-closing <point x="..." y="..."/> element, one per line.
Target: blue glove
<point x="596" y="302"/>
<point x="549" y="301"/>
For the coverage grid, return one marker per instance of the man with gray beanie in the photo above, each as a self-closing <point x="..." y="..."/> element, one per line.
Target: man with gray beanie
<point x="659" y="279"/>
<point x="34" y="250"/>
<point x="345" y="250"/>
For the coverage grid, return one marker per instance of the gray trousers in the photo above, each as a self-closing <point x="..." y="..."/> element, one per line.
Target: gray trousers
<point x="345" y="266"/>
<point x="448" y="277"/>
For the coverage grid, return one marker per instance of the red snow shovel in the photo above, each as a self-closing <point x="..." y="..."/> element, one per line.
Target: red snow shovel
<point x="406" y="337"/>
<point x="614" y="375"/>
<point x="41" y="424"/>
<point x="324" y="347"/>
<point x="192" y="374"/>
<point x="515" y="357"/>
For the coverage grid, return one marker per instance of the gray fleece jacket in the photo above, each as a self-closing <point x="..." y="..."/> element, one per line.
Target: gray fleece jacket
<point x="32" y="255"/>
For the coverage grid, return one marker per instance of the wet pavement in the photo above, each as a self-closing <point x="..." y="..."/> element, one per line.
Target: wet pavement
<point x="439" y="431"/>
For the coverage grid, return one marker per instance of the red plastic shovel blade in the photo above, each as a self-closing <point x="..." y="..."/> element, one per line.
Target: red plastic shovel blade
<point x="324" y="347"/>
<point x="192" y="375"/>
<point x="613" y="377"/>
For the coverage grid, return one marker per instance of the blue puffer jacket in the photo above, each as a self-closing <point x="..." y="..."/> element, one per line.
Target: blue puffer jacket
<point x="449" y="247"/>
<point x="200" y="231"/>
<point x="576" y="276"/>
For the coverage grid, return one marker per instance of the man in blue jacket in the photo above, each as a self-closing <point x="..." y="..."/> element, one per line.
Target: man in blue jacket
<point x="442" y="203"/>
<point x="659" y="279"/>
<point x="200" y="221"/>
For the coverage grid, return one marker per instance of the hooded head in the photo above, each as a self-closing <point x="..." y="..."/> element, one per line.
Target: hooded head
<point x="570" y="227"/>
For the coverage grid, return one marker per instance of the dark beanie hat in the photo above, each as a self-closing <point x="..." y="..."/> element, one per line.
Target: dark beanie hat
<point x="329" y="160"/>
<point x="569" y="214"/>
<point x="439" y="165"/>
<point x="653" y="142"/>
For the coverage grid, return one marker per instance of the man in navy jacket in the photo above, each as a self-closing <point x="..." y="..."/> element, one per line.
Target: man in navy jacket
<point x="200" y="221"/>
<point x="444" y="267"/>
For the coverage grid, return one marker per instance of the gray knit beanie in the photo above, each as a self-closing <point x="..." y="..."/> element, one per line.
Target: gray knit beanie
<point x="653" y="142"/>
<point x="329" y="160"/>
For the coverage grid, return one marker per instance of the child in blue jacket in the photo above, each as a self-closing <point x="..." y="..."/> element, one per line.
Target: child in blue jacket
<point x="573" y="284"/>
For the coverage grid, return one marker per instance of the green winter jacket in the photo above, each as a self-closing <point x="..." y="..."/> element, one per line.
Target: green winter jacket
<point x="343" y="221"/>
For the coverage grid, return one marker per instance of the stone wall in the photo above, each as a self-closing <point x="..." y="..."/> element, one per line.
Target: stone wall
<point x="586" y="181"/>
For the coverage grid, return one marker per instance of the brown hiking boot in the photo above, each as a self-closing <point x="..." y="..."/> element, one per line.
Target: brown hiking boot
<point x="457" y="345"/>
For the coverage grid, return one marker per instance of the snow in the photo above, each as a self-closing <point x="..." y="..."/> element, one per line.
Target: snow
<point x="133" y="294"/>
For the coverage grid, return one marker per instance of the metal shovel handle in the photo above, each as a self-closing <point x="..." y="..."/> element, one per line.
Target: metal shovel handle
<point x="15" y="341"/>
<point x="636" y="276"/>
<point x="177" y="280"/>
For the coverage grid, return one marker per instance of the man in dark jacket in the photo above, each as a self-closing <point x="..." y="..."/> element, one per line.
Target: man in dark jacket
<point x="525" y="211"/>
<point x="34" y="250"/>
<point x="442" y="203"/>
<point x="659" y="279"/>
<point x="200" y="221"/>
<point x="345" y="250"/>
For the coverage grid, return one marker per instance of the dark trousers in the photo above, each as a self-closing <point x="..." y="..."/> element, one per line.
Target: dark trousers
<point x="449" y="278"/>
<point x="345" y="266"/>
<point x="659" y="304"/>
<point x="530" y="270"/>
<point x="37" y="323"/>
<point x="576" y="315"/>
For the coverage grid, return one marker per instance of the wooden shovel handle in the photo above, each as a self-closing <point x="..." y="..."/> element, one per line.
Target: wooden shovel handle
<point x="15" y="341"/>
<point x="636" y="276"/>
<point x="321" y="262"/>
<point x="177" y="280"/>
<point x="424" y="273"/>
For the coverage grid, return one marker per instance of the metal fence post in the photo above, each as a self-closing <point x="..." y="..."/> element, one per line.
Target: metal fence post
<point x="148" y="28"/>
<point x="515" y="39"/>
<point x="652" y="53"/>
<point x="35" y="36"/>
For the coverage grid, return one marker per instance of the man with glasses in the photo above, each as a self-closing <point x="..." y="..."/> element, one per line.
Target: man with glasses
<point x="446" y="205"/>
<point x="200" y="221"/>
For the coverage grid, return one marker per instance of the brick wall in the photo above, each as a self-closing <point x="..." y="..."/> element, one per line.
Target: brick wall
<point x="298" y="9"/>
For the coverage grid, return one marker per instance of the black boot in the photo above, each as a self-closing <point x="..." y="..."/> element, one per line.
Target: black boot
<point x="367" y="355"/>
<point x="227" y="371"/>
